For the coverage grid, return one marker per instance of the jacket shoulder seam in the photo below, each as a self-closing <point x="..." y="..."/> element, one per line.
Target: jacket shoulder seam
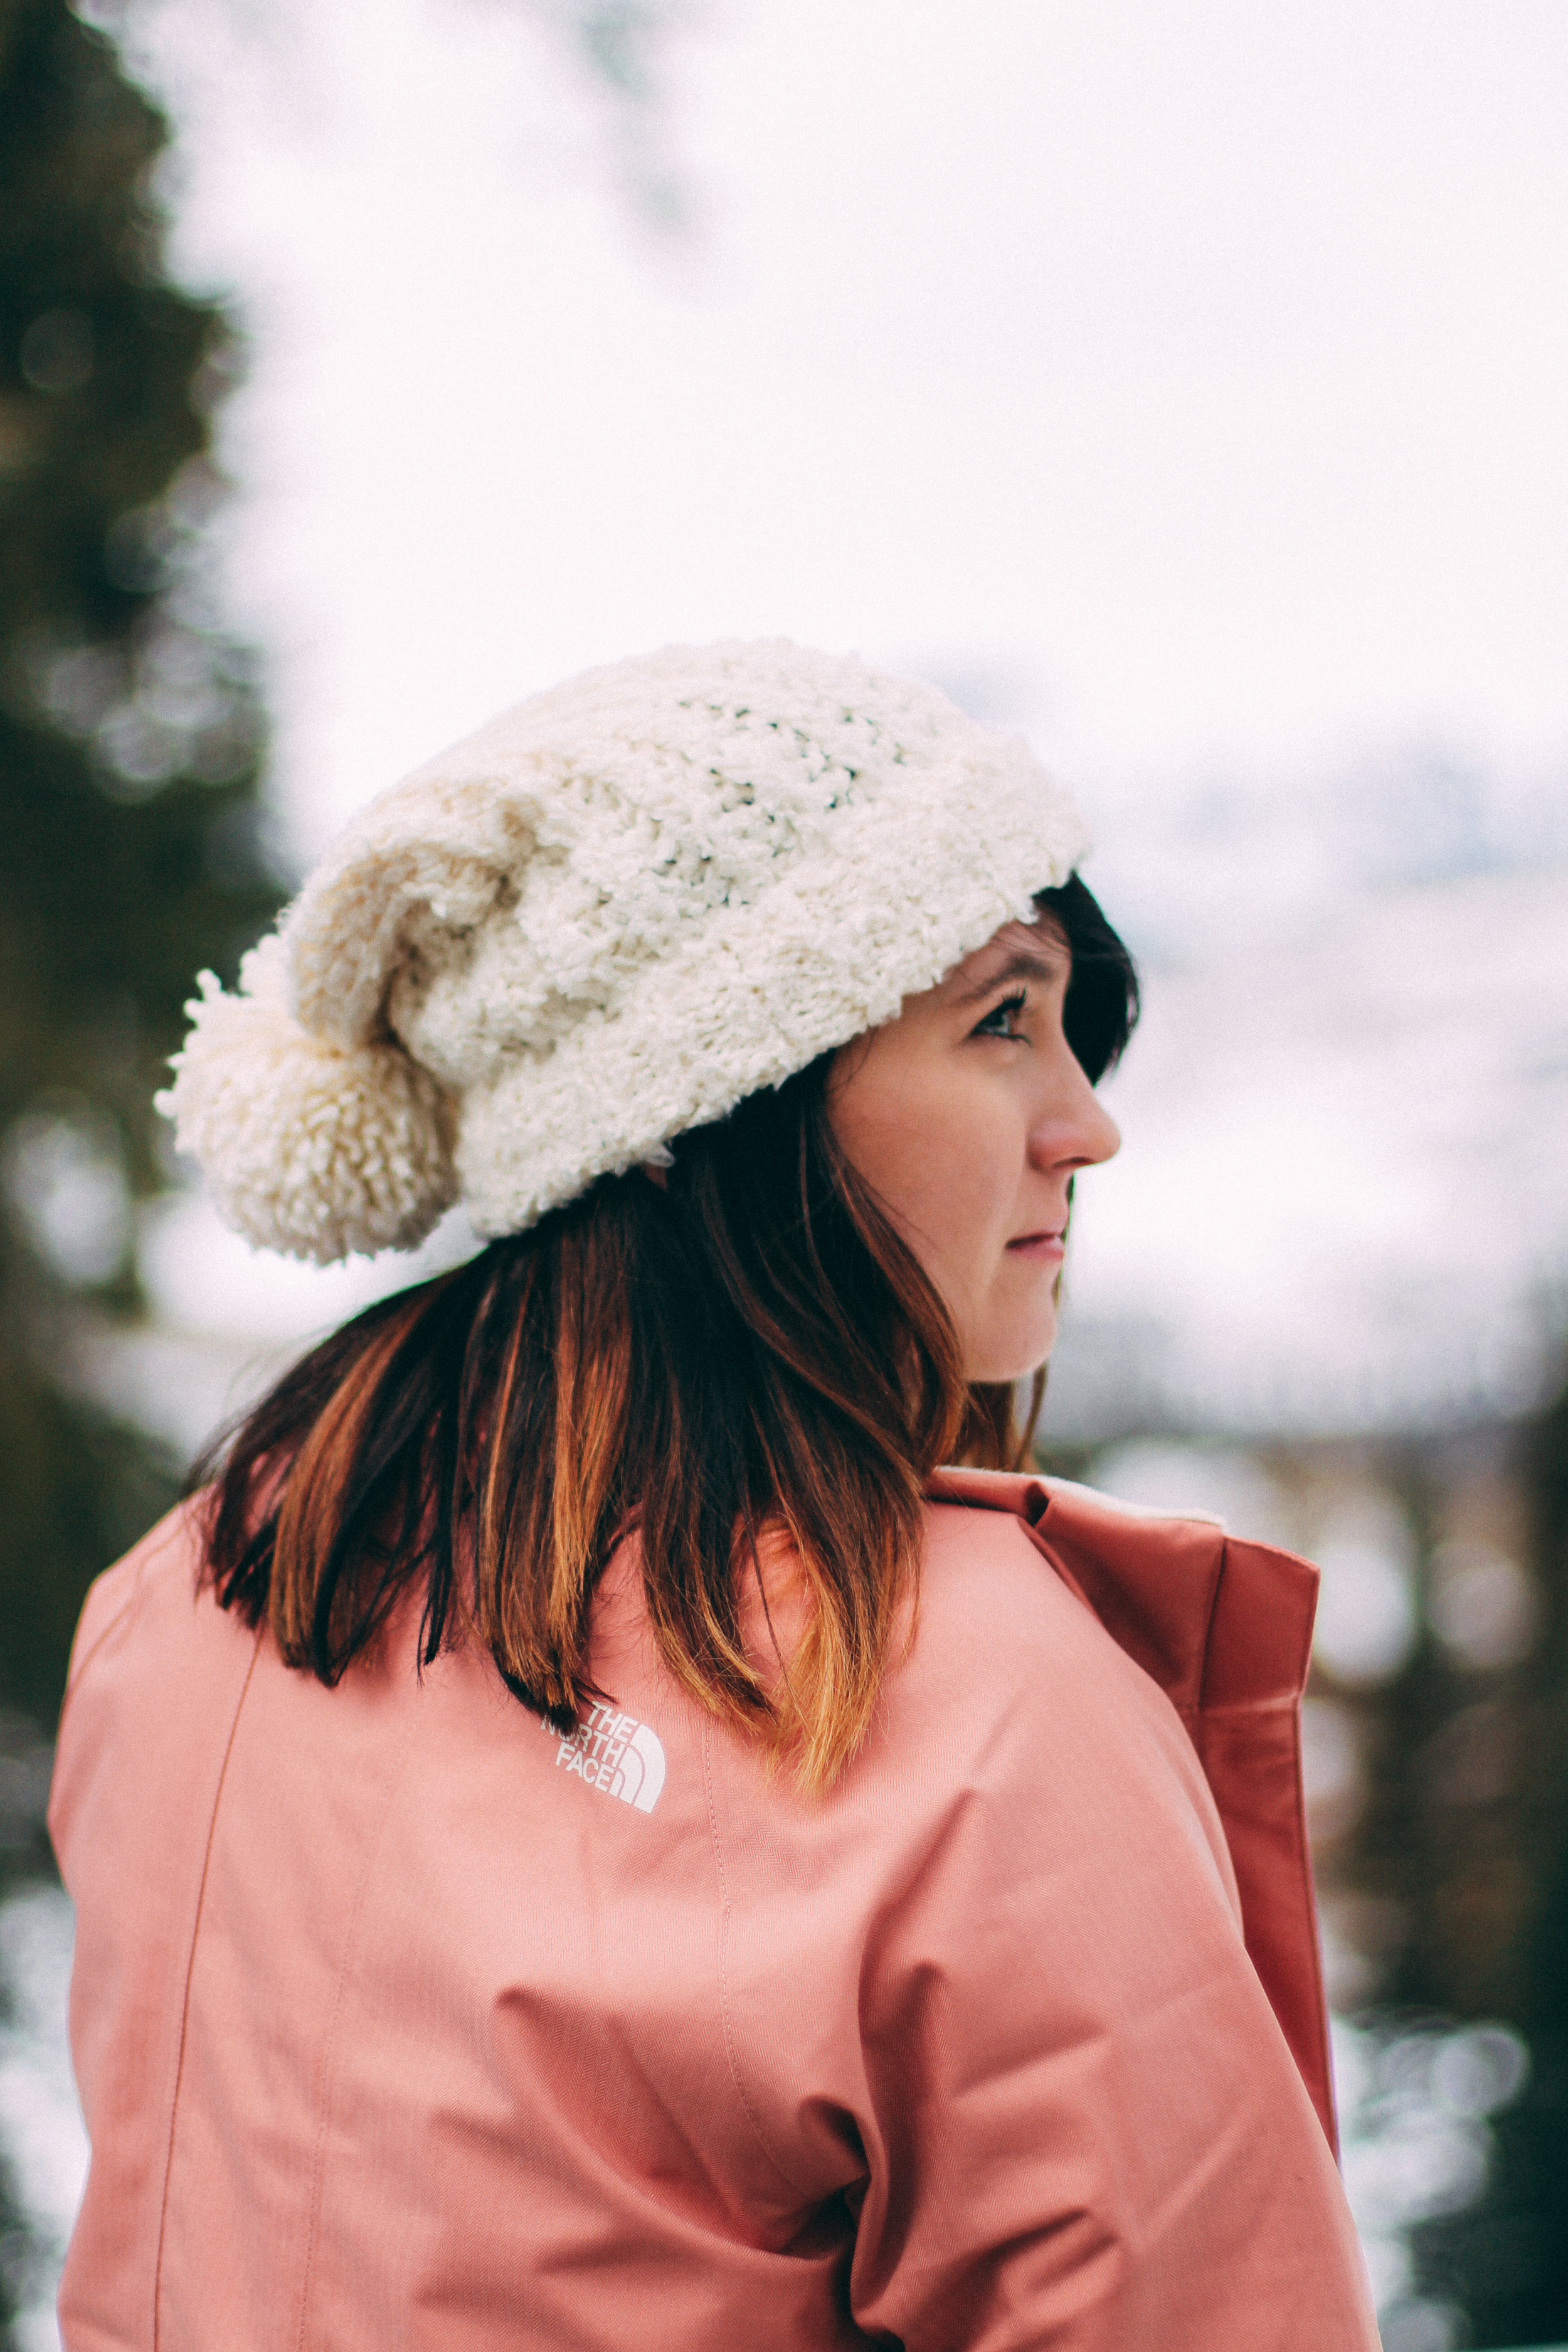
<point x="186" y="1994"/>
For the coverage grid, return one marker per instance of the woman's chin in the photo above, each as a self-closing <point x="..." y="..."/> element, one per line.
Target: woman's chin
<point x="1014" y="1355"/>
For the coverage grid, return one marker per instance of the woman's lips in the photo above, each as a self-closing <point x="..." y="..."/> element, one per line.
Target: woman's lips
<point x="1047" y="1247"/>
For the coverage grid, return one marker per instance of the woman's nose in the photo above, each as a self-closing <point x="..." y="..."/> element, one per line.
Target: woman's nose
<point x="1074" y="1132"/>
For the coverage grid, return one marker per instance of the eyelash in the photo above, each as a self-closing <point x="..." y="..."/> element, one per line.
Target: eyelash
<point x="1012" y="1005"/>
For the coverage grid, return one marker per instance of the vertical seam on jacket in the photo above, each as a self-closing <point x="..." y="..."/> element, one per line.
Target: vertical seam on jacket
<point x="760" y="2135"/>
<point x="1314" y="1951"/>
<point x="346" y="1968"/>
<point x="1321" y="2010"/>
<point x="1314" y="1948"/>
<point x="185" y="1996"/>
<point x="1308" y="1888"/>
<point x="1221" y="1566"/>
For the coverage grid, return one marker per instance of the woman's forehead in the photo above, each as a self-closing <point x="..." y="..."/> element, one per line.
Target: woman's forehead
<point x="1043" y="939"/>
<point x="1045" y="933"/>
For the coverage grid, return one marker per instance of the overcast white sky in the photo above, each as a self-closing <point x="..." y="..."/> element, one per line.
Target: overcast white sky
<point x="1199" y="373"/>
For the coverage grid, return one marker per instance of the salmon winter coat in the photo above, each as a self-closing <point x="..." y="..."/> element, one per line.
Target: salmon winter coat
<point x="401" y="2021"/>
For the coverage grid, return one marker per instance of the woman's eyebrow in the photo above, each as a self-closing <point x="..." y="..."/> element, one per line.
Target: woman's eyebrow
<point x="1023" y="964"/>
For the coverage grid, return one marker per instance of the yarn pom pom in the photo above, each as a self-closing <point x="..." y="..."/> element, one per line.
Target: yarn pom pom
<point x="307" y="1147"/>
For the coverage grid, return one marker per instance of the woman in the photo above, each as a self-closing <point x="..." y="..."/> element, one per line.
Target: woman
<point x="584" y="1833"/>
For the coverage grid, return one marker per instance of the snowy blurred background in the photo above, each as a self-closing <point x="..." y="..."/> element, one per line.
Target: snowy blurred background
<point x="1184" y="388"/>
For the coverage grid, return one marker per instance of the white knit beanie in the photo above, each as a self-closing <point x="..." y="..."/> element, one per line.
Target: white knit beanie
<point x="608" y="916"/>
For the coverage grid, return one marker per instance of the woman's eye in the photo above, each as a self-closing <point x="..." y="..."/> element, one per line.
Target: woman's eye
<point x="999" y="1022"/>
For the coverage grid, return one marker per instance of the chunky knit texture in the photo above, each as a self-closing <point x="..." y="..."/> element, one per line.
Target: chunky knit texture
<point x="608" y="916"/>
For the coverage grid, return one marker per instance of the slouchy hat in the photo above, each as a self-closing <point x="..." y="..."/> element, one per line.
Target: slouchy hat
<point x="606" y="918"/>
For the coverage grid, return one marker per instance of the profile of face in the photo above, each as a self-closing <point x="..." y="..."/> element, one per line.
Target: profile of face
<point x="969" y="1115"/>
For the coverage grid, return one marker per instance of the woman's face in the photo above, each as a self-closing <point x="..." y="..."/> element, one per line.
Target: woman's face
<point x="968" y="1117"/>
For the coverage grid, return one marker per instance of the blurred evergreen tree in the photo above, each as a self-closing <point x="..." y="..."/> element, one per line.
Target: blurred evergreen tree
<point x="1465" y="1838"/>
<point x="1506" y="2262"/>
<point x="130" y="743"/>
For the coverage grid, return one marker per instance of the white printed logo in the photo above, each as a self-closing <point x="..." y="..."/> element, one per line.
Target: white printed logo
<point x="616" y="1753"/>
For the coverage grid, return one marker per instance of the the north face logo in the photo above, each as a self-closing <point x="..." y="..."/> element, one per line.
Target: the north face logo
<point x="616" y="1753"/>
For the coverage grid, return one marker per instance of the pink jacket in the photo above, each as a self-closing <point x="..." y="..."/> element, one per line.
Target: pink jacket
<point x="400" y="2021"/>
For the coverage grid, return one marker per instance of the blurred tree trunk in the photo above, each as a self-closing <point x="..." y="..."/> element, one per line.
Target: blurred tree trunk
<point x="1508" y="2261"/>
<point x="130" y="743"/>
<point x="1464" y="1840"/>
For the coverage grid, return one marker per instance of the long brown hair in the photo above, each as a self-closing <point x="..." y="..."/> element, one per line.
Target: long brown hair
<point x="750" y="1346"/>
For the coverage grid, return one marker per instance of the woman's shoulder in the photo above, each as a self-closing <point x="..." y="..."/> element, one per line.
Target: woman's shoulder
<point x="1218" y="1622"/>
<point x="1065" y="1643"/>
<point x="156" y="1578"/>
<point x="1009" y="1646"/>
<point x="151" y="1649"/>
<point x="989" y="1599"/>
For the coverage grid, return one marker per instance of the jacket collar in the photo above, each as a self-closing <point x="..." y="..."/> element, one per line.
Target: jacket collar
<point x="1225" y="1630"/>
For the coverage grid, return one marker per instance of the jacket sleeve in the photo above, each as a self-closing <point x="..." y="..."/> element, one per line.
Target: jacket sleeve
<point x="1084" y="2127"/>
